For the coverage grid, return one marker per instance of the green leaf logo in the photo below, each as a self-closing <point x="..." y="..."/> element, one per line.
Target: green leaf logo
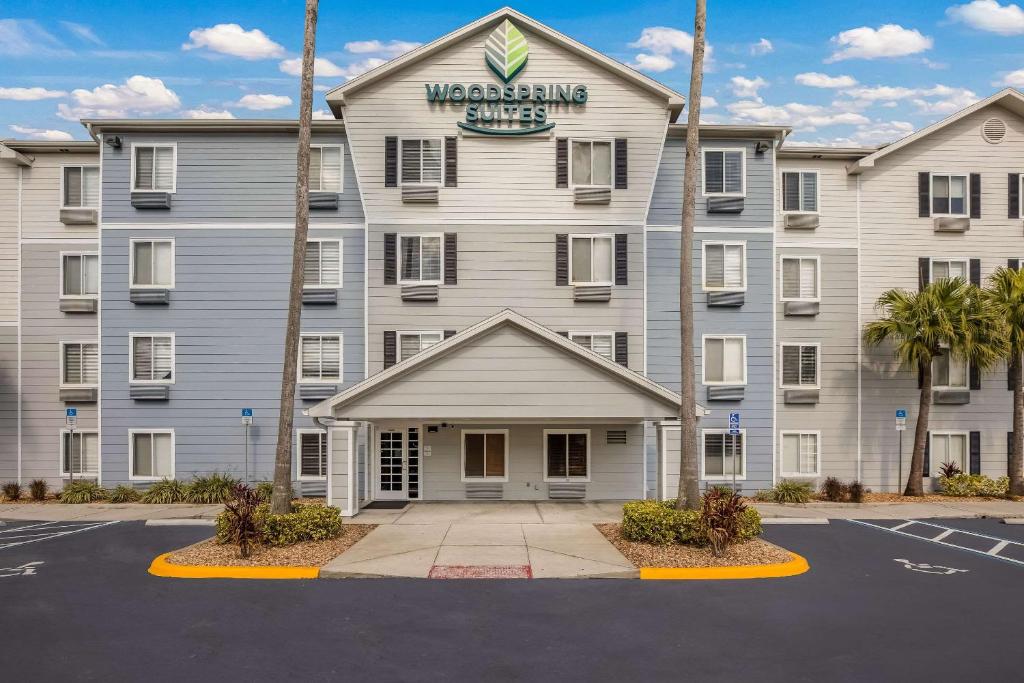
<point x="506" y="51"/>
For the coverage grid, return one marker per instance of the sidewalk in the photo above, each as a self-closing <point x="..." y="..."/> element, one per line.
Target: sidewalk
<point x="105" y="512"/>
<point x="917" y="510"/>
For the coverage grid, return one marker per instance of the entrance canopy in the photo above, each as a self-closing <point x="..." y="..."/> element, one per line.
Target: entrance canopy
<point x="506" y="368"/>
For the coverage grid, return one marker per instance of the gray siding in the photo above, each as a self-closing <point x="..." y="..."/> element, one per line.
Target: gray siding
<point x="8" y="403"/>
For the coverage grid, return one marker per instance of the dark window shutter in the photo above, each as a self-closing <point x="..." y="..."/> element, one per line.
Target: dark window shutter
<point x="927" y="454"/>
<point x="924" y="194"/>
<point x="974" y="377"/>
<point x="622" y="348"/>
<point x="451" y="258"/>
<point x="1013" y="263"/>
<point x="621" y="164"/>
<point x="448" y="334"/>
<point x="391" y="161"/>
<point x="975" y="439"/>
<point x="975" y="271"/>
<point x="1013" y="195"/>
<point x="451" y="161"/>
<point x="975" y="195"/>
<point x="561" y="162"/>
<point x="561" y="260"/>
<point x="390" y="258"/>
<point x="622" y="259"/>
<point x="924" y="268"/>
<point x="390" y="348"/>
<point x="564" y="334"/>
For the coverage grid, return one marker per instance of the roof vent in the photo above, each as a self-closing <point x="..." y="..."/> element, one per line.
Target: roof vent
<point x="993" y="130"/>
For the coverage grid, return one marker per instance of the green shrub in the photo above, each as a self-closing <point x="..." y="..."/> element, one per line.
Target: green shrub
<point x="78" y="492"/>
<point x="165" y="491"/>
<point x="974" y="485"/>
<point x="787" y="491"/>
<point x="38" y="489"/>
<point x="265" y="490"/>
<point x="749" y="524"/>
<point x="657" y="522"/>
<point x="214" y="488"/>
<point x="305" y="523"/>
<point x="123" y="493"/>
<point x="12" y="490"/>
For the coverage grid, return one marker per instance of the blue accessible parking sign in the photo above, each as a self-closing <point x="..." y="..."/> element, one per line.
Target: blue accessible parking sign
<point x="734" y="423"/>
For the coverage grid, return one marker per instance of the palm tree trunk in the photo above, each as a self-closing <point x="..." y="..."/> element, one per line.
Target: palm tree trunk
<point x="1016" y="466"/>
<point x="280" y="502"/>
<point x="689" y="486"/>
<point x="914" y="485"/>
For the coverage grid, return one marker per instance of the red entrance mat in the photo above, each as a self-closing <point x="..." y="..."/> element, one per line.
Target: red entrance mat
<point x="498" y="571"/>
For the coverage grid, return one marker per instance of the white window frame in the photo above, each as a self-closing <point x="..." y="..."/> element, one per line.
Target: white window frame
<point x="611" y="170"/>
<point x="63" y="473"/>
<point x="440" y="141"/>
<point x="341" y="358"/>
<point x="934" y="463"/>
<point x="131" y="454"/>
<point x="949" y="259"/>
<point x="132" y="336"/>
<point x="401" y="254"/>
<point x="703" y="359"/>
<point x="462" y="465"/>
<point x="63" y="181"/>
<point x="704" y="270"/>
<point x="64" y="254"/>
<point x="544" y="461"/>
<point x="341" y="263"/>
<point x="596" y="333"/>
<point x="817" y="191"/>
<point x="817" y="274"/>
<point x="131" y="262"/>
<point x="60" y="351"/>
<point x="740" y="476"/>
<point x="299" y="476"/>
<point x="415" y="333"/>
<point x="817" y="459"/>
<point x="341" y="175"/>
<point x="610" y="282"/>
<point x="817" y="366"/>
<point x="174" y="165"/>
<point x="967" y="193"/>
<point x="743" y="172"/>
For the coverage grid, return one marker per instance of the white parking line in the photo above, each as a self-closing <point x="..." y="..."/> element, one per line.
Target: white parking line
<point x="998" y="544"/>
<point x="44" y="534"/>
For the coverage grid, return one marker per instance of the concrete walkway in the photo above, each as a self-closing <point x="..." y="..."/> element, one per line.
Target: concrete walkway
<point x="929" y="508"/>
<point x="105" y="512"/>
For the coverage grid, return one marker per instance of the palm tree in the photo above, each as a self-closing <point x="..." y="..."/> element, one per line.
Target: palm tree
<point x="689" y="486"/>
<point x="947" y="316"/>
<point x="1005" y="294"/>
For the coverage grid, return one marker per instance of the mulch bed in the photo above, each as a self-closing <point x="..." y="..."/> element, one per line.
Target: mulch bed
<point x="307" y="554"/>
<point x="756" y="551"/>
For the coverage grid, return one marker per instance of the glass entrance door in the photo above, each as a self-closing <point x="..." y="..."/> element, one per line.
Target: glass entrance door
<point x="391" y="468"/>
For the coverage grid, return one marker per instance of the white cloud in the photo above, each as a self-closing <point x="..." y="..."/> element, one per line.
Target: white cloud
<point x="325" y="67"/>
<point x="263" y="102"/>
<point x="945" y="100"/>
<point x="746" y="87"/>
<point x="204" y="112"/>
<point x="42" y="134"/>
<point x="29" y="94"/>
<point x="323" y="114"/>
<point x="137" y="95"/>
<point x="879" y="132"/>
<point x="232" y="39"/>
<point x="26" y="38"/>
<point x="762" y="47"/>
<point x="806" y="117"/>
<point x="707" y="102"/>
<point x="660" y="44"/>
<point x="390" y="48"/>
<point x="814" y="79"/>
<point x="989" y="15"/>
<point x="890" y="40"/>
<point x="1014" y="79"/>
<point x="82" y="32"/>
<point x="653" y="63"/>
<point x="938" y="99"/>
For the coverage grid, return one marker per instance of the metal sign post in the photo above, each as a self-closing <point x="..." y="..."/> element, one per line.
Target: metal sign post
<point x="246" y="422"/>
<point x="734" y="432"/>
<point x="901" y="426"/>
<point x="71" y="420"/>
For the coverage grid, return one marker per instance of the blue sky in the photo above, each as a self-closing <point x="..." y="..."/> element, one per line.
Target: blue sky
<point x="839" y="72"/>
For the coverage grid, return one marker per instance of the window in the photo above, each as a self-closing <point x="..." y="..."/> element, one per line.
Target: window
<point x="567" y="455"/>
<point x="947" y="447"/>
<point x="949" y="372"/>
<point x="949" y="195"/>
<point x="943" y="269"/>
<point x="602" y="343"/>
<point x="484" y="454"/>
<point x="152" y="359"/>
<point x="79" y="364"/>
<point x="800" y="365"/>
<point x="152" y="263"/>
<point x="720" y="447"/>
<point x="421" y="162"/>
<point x="591" y="261"/>
<point x="152" y="454"/>
<point x="725" y="360"/>
<point x="725" y="266"/>
<point x="79" y="275"/>
<point x="411" y="343"/>
<point x="81" y="187"/>
<point x="592" y="163"/>
<point x="800" y="191"/>
<point x="724" y="171"/>
<point x="153" y="168"/>
<point x="320" y="358"/>
<point x="323" y="264"/>
<point x="79" y="453"/>
<point x="800" y="278"/>
<point x="325" y="174"/>
<point x="421" y="259"/>
<point x="800" y="454"/>
<point x="312" y="454"/>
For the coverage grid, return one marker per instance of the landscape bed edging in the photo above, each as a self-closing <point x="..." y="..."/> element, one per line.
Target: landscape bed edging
<point x="161" y="567"/>
<point x="795" y="566"/>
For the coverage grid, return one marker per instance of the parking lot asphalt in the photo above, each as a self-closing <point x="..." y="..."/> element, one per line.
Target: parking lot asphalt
<point x="90" y="611"/>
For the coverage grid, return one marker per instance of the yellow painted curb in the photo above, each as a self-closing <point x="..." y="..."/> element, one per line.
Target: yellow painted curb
<point x="161" y="567"/>
<point x="796" y="565"/>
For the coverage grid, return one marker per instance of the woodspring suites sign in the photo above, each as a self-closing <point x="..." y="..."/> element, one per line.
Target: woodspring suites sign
<point x="506" y="109"/>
